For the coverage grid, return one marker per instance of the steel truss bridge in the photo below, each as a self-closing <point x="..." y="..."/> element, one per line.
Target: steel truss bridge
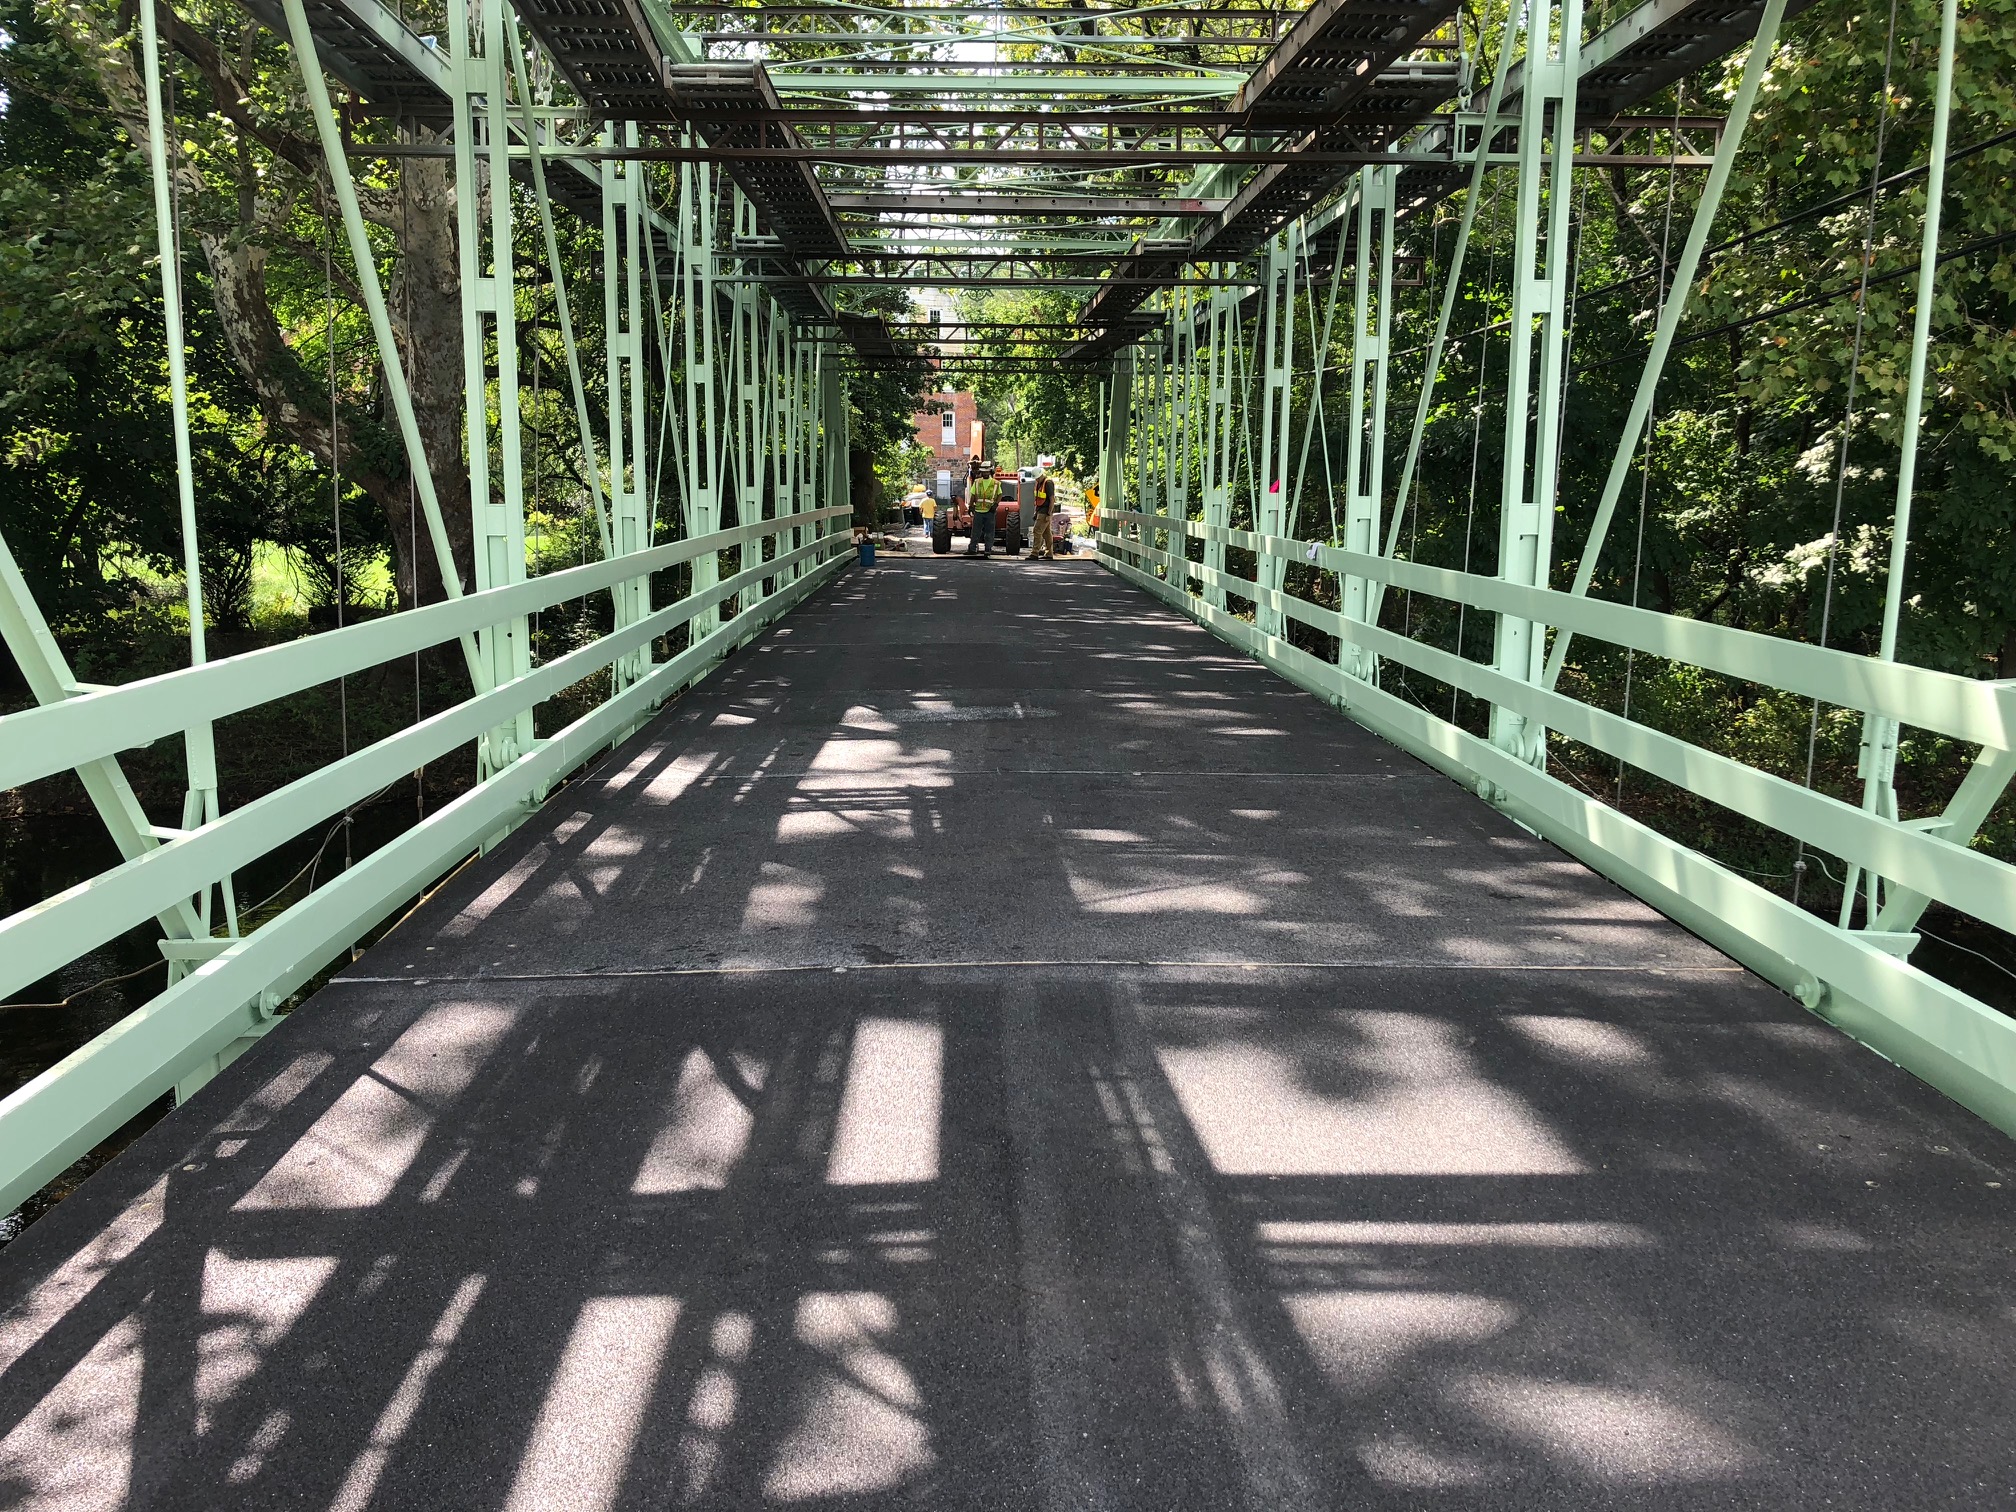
<point x="988" y="1043"/>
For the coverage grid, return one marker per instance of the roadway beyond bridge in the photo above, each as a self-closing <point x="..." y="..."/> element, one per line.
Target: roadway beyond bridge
<point x="992" y="1046"/>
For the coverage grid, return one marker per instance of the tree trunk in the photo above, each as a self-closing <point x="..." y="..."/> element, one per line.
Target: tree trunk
<point x="295" y="403"/>
<point x="425" y="300"/>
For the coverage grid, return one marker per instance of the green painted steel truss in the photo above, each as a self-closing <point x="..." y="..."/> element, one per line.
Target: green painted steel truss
<point x="745" y="165"/>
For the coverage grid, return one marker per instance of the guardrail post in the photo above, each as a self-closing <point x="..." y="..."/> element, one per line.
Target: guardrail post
<point x="1542" y="262"/>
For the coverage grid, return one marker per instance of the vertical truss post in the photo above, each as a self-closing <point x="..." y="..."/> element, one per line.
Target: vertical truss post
<point x="623" y="343"/>
<point x="745" y="383"/>
<point x="199" y="744"/>
<point x="805" y="348"/>
<point x="790" y="425"/>
<point x="367" y="283"/>
<point x="638" y="332"/>
<point x="302" y="41"/>
<point x="1365" y="458"/>
<point x="1166" y="440"/>
<point x="776" y="439"/>
<point x="1541" y="268"/>
<point x="1183" y="407"/>
<point x="1277" y="363"/>
<point x="1153" y="435"/>
<point x="701" y="495"/>
<point x="1219" y="448"/>
<point x="563" y="312"/>
<point x="804" y="388"/>
<point x="1099" y="424"/>
<point x="833" y="437"/>
<point x="489" y="301"/>
<point x="1113" y="444"/>
<point x="1670" y="315"/>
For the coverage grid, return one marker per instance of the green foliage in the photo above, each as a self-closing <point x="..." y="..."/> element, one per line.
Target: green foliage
<point x="1044" y="407"/>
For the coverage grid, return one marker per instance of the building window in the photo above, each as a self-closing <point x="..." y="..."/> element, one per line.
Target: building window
<point x="949" y="432"/>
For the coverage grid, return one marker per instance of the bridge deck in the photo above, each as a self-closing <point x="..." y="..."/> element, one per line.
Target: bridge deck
<point x="992" y="1047"/>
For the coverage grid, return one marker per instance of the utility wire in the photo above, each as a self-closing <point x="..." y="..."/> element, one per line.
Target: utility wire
<point x="1823" y="208"/>
<point x="87" y="991"/>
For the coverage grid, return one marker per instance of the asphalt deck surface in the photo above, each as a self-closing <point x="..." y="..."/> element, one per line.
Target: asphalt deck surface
<point x="991" y="1046"/>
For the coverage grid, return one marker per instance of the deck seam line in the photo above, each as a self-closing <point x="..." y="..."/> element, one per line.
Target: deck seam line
<point x="1157" y="965"/>
<point x="1064" y="772"/>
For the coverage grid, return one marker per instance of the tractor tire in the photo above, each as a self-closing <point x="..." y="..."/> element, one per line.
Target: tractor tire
<point x="941" y="537"/>
<point x="1011" y="538"/>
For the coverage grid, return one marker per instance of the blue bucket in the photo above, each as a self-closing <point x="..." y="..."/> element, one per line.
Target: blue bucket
<point x="867" y="551"/>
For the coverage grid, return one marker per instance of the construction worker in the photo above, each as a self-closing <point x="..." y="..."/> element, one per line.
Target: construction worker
<point x="1092" y="506"/>
<point x="1041" y="547"/>
<point x="983" y="496"/>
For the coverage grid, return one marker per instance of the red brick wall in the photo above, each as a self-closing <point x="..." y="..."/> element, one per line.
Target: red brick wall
<point x="930" y="428"/>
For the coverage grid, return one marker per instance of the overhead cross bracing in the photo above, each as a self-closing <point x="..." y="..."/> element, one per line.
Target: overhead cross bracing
<point x="1655" y="44"/>
<point x="1625" y="63"/>
<point x="382" y="61"/>
<point x="840" y="125"/>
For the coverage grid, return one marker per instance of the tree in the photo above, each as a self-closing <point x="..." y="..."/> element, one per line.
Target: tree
<point x="254" y="190"/>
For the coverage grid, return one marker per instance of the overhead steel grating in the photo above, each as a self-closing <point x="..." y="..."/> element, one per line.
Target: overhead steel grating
<point x="1653" y="45"/>
<point x="606" y="50"/>
<point x="786" y="193"/>
<point x="609" y="53"/>
<point x="1337" y="79"/>
<point x="393" y="70"/>
<point x="1341" y="83"/>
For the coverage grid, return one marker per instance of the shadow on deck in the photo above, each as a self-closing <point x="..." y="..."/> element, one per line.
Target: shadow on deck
<point x="990" y="1047"/>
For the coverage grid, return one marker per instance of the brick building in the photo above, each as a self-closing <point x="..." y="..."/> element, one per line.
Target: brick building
<point x="950" y="428"/>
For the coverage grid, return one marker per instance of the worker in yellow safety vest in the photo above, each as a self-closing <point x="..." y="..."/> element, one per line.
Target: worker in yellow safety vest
<point x="983" y="497"/>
